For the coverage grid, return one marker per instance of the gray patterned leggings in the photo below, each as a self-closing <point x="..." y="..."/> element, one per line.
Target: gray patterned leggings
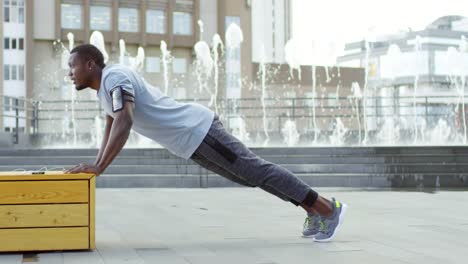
<point x="223" y="154"/>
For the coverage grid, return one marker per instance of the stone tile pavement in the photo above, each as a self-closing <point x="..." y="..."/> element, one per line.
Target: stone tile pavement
<point x="242" y="225"/>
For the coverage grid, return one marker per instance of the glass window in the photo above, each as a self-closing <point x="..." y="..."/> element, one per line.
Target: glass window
<point x="21" y="43"/>
<point x="71" y="16"/>
<point x="6" y="72"/>
<point x="100" y="18"/>
<point x="7" y="103"/>
<point x="13" y="43"/>
<point x="153" y="64"/>
<point x="179" y="65"/>
<point x="6" y="12"/>
<point x="14" y="76"/>
<point x="128" y="19"/>
<point x="21" y="72"/>
<point x="21" y="15"/>
<point x="155" y="21"/>
<point x="182" y="23"/>
<point x="13" y="11"/>
<point x="6" y="43"/>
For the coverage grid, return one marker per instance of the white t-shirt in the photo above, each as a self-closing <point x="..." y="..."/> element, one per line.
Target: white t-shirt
<point x="179" y="127"/>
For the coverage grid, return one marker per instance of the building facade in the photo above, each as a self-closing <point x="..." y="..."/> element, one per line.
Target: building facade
<point x="411" y="72"/>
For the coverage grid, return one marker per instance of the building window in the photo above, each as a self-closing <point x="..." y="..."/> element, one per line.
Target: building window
<point x="128" y="19"/>
<point x="6" y="10"/>
<point x="71" y="16"/>
<point x="179" y="65"/>
<point x="21" y="11"/>
<point x="21" y="72"/>
<point x="6" y="43"/>
<point x="6" y="72"/>
<point x="100" y="18"/>
<point x="21" y="44"/>
<point x="7" y="103"/>
<point x="153" y="64"/>
<point x="182" y="23"/>
<point x="13" y="43"/>
<point x="13" y="11"/>
<point x="155" y="21"/>
<point x="14" y="75"/>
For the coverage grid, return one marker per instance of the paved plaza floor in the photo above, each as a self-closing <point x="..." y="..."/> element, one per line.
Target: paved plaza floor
<point x="243" y="226"/>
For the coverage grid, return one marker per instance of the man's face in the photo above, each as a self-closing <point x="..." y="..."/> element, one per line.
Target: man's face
<point x="79" y="73"/>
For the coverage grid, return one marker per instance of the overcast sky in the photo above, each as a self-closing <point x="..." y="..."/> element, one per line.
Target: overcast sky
<point x="324" y="26"/>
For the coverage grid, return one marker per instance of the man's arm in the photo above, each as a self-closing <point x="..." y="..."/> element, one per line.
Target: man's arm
<point x="118" y="136"/>
<point x="105" y="138"/>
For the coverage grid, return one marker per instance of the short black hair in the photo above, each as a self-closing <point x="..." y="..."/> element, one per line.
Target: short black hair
<point x="89" y="52"/>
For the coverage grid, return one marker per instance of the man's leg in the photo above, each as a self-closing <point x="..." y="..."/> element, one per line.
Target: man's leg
<point x="201" y="160"/>
<point x="226" y="151"/>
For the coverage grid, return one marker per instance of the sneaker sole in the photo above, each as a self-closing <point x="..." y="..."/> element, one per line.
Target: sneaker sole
<point x="340" y="221"/>
<point x="309" y="236"/>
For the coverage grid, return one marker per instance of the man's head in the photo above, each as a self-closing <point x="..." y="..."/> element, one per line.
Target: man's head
<point x="85" y="63"/>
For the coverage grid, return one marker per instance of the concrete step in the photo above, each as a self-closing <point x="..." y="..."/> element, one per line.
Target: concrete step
<point x="426" y="180"/>
<point x="295" y="168"/>
<point x="355" y="151"/>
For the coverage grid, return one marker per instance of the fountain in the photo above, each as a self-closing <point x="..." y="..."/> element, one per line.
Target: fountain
<point x="290" y="134"/>
<point x="393" y="127"/>
<point x="217" y="44"/>
<point x="166" y="58"/>
<point x="292" y="57"/>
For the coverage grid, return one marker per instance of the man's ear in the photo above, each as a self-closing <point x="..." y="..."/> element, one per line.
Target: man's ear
<point x="91" y="64"/>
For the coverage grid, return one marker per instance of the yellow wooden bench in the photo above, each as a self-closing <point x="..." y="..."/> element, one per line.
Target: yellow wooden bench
<point x="47" y="211"/>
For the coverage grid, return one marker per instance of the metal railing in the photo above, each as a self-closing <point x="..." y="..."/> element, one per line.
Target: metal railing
<point x="50" y="116"/>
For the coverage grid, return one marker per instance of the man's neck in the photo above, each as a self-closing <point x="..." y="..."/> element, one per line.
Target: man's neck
<point x="96" y="83"/>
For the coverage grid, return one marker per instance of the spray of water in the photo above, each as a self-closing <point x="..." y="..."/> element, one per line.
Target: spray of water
<point x="97" y="39"/>
<point x="417" y="49"/>
<point x="292" y="57"/>
<point x="290" y="134"/>
<point x="216" y="45"/>
<point x="263" y="78"/>
<point x="71" y="44"/>
<point x="166" y="58"/>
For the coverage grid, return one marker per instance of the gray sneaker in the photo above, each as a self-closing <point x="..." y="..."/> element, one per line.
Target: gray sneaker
<point x="329" y="225"/>
<point x="311" y="225"/>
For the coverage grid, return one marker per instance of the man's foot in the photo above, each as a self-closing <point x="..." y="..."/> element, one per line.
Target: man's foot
<point x="311" y="225"/>
<point x="329" y="225"/>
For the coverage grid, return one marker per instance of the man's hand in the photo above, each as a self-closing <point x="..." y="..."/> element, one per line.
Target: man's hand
<point x="86" y="168"/>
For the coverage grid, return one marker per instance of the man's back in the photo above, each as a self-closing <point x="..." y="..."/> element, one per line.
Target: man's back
<point x="179" y="127"/>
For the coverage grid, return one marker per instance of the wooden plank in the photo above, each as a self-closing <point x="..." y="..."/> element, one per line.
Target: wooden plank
<point x="92" y="210"/>
<point x="48" y="175"/>
<point x="43" y="192"/>
<point x="35" y="239"/>
<point x="50" y="215"/>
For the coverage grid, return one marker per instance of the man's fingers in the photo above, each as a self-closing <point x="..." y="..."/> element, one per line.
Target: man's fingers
<point x="73" y="169"/>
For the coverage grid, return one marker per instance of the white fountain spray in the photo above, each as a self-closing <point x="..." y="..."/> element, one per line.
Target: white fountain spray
<point x="98" y="131"/>
<point x="97" y="39"/>
<point x="71" y="44"/>
<point x="122" y="52"/>
<point x="263" y="78"/>
<point x="166" y="59"/>
<point x="338" y="136"/>
<point x="417" y="49"/>
<point x="234" y="36"/>
<point x="462" y="48"/>
<point x="138" y="62"/>
<point x="356" y="89"/>
<point x="200" y="25"/>
<point x="364" y="92"/>
<point x="314" y="95"/>
<point x="217" y="43"/>
<point x="290" y="134"/>
<point x="291" y="56"/>
<point x="203" y="66"/>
